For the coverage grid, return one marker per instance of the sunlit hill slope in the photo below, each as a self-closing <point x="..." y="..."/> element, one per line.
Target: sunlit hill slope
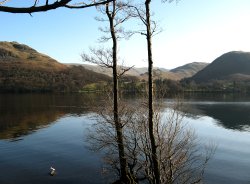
<point x="231" y="66"/>
<point x="24" y="69"/>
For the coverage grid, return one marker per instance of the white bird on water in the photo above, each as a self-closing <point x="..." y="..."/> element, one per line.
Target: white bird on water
<point x="52" y="171"/>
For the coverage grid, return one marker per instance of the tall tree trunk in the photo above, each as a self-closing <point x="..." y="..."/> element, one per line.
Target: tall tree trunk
<point x="150" y="97"/>
<point x="118" y="126"/>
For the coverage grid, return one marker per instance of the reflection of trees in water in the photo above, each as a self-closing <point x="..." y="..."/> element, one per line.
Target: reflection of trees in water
<point x="17" y="125"/>
<point x="23" y="114"/>
<point x="218" y="97"/>
<point x="231" y="115"/>
<point x="181" y="158"/>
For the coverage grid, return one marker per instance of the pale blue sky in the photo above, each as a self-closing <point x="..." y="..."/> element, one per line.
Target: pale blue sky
<point x="193" y="30"/>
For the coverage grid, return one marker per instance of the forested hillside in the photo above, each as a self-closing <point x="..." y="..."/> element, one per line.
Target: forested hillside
<point x="24" y="69"/>
<point x="229" y="72"/>
<point x="231" y="66"/>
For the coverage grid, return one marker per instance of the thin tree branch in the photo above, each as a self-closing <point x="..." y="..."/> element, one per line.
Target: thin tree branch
<point x="124" y="70"/>
<point x="33" y="9"/>
<point x="88" y="5"/>
<point x="47" y="6"/>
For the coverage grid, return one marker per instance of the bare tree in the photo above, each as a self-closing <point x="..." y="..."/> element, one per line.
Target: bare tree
<point x="116" y="15"/>
<point x="150" y="96"/>
<point x="181" y="158"/>
<point x="104" y="58"/>
<point x="144" y="14"/>
<point x="104" y="137"/>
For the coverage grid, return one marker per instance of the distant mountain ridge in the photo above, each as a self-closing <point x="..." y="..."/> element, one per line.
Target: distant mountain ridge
<point x="178" y="73"/>
<point x="231" y="66"/>
<point x="188" y="70"/>
<point x="108" y="71"/>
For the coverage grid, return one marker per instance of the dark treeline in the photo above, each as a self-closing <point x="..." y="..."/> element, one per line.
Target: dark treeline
<point x="169" y="86"/>
<point x="14" y="78"/>
<point x="225" y="86"/>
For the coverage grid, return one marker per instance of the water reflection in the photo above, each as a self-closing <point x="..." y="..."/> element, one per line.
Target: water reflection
<point x="22" y="114"/>
<point x="228" y="114"/>
<point x="62" y="144"/>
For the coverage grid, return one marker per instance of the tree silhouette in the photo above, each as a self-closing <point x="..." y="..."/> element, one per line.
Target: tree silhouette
<point x="47" y="5"/>
<point x="116" y="15"/>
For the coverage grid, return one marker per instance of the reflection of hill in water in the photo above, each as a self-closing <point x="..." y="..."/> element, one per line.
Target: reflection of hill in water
<point x="23" y="114"/>
<point x="14" y="126"/>
<point x="232" y="115"/>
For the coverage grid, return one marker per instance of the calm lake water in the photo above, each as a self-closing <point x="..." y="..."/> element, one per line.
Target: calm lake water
<point x="39" y="131"/>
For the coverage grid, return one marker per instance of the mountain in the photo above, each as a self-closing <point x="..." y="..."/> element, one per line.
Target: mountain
<point x="160" y="74"/>
<point x="178" y="73"/>
<point x="22" y="68"/>
<point x="13" y="52"/>
<point x="231" y="66"/>
<point x="188" y="70"/>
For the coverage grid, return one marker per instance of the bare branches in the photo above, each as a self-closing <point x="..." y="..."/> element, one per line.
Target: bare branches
<point x="104" y="58"/>
<point x="119" y="12"/>
<point x="48" y="6"/>
<point x="85" y="5"/>
<point x="37" y="1"/>
<point x="181" y="158"/>
<point x="137" y="11"/>
<point x="109" y="58"/>
<point x="123" y="70"/>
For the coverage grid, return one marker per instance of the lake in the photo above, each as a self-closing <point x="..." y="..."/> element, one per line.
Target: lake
<point x="38" y="131"/>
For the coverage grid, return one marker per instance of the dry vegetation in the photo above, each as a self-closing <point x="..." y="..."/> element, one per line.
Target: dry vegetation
<point x="24" y="69"/>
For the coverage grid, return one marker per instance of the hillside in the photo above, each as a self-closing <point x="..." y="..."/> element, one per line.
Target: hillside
<point x="22" y="68"/>
<point x="160" y="74"/>
<point x="108" y="71"/>
<point x="189" y="69"/>
<point x="231" y="66"/>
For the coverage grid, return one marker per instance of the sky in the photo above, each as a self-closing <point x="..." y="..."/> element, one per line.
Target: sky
<point x="193" y="31"/>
